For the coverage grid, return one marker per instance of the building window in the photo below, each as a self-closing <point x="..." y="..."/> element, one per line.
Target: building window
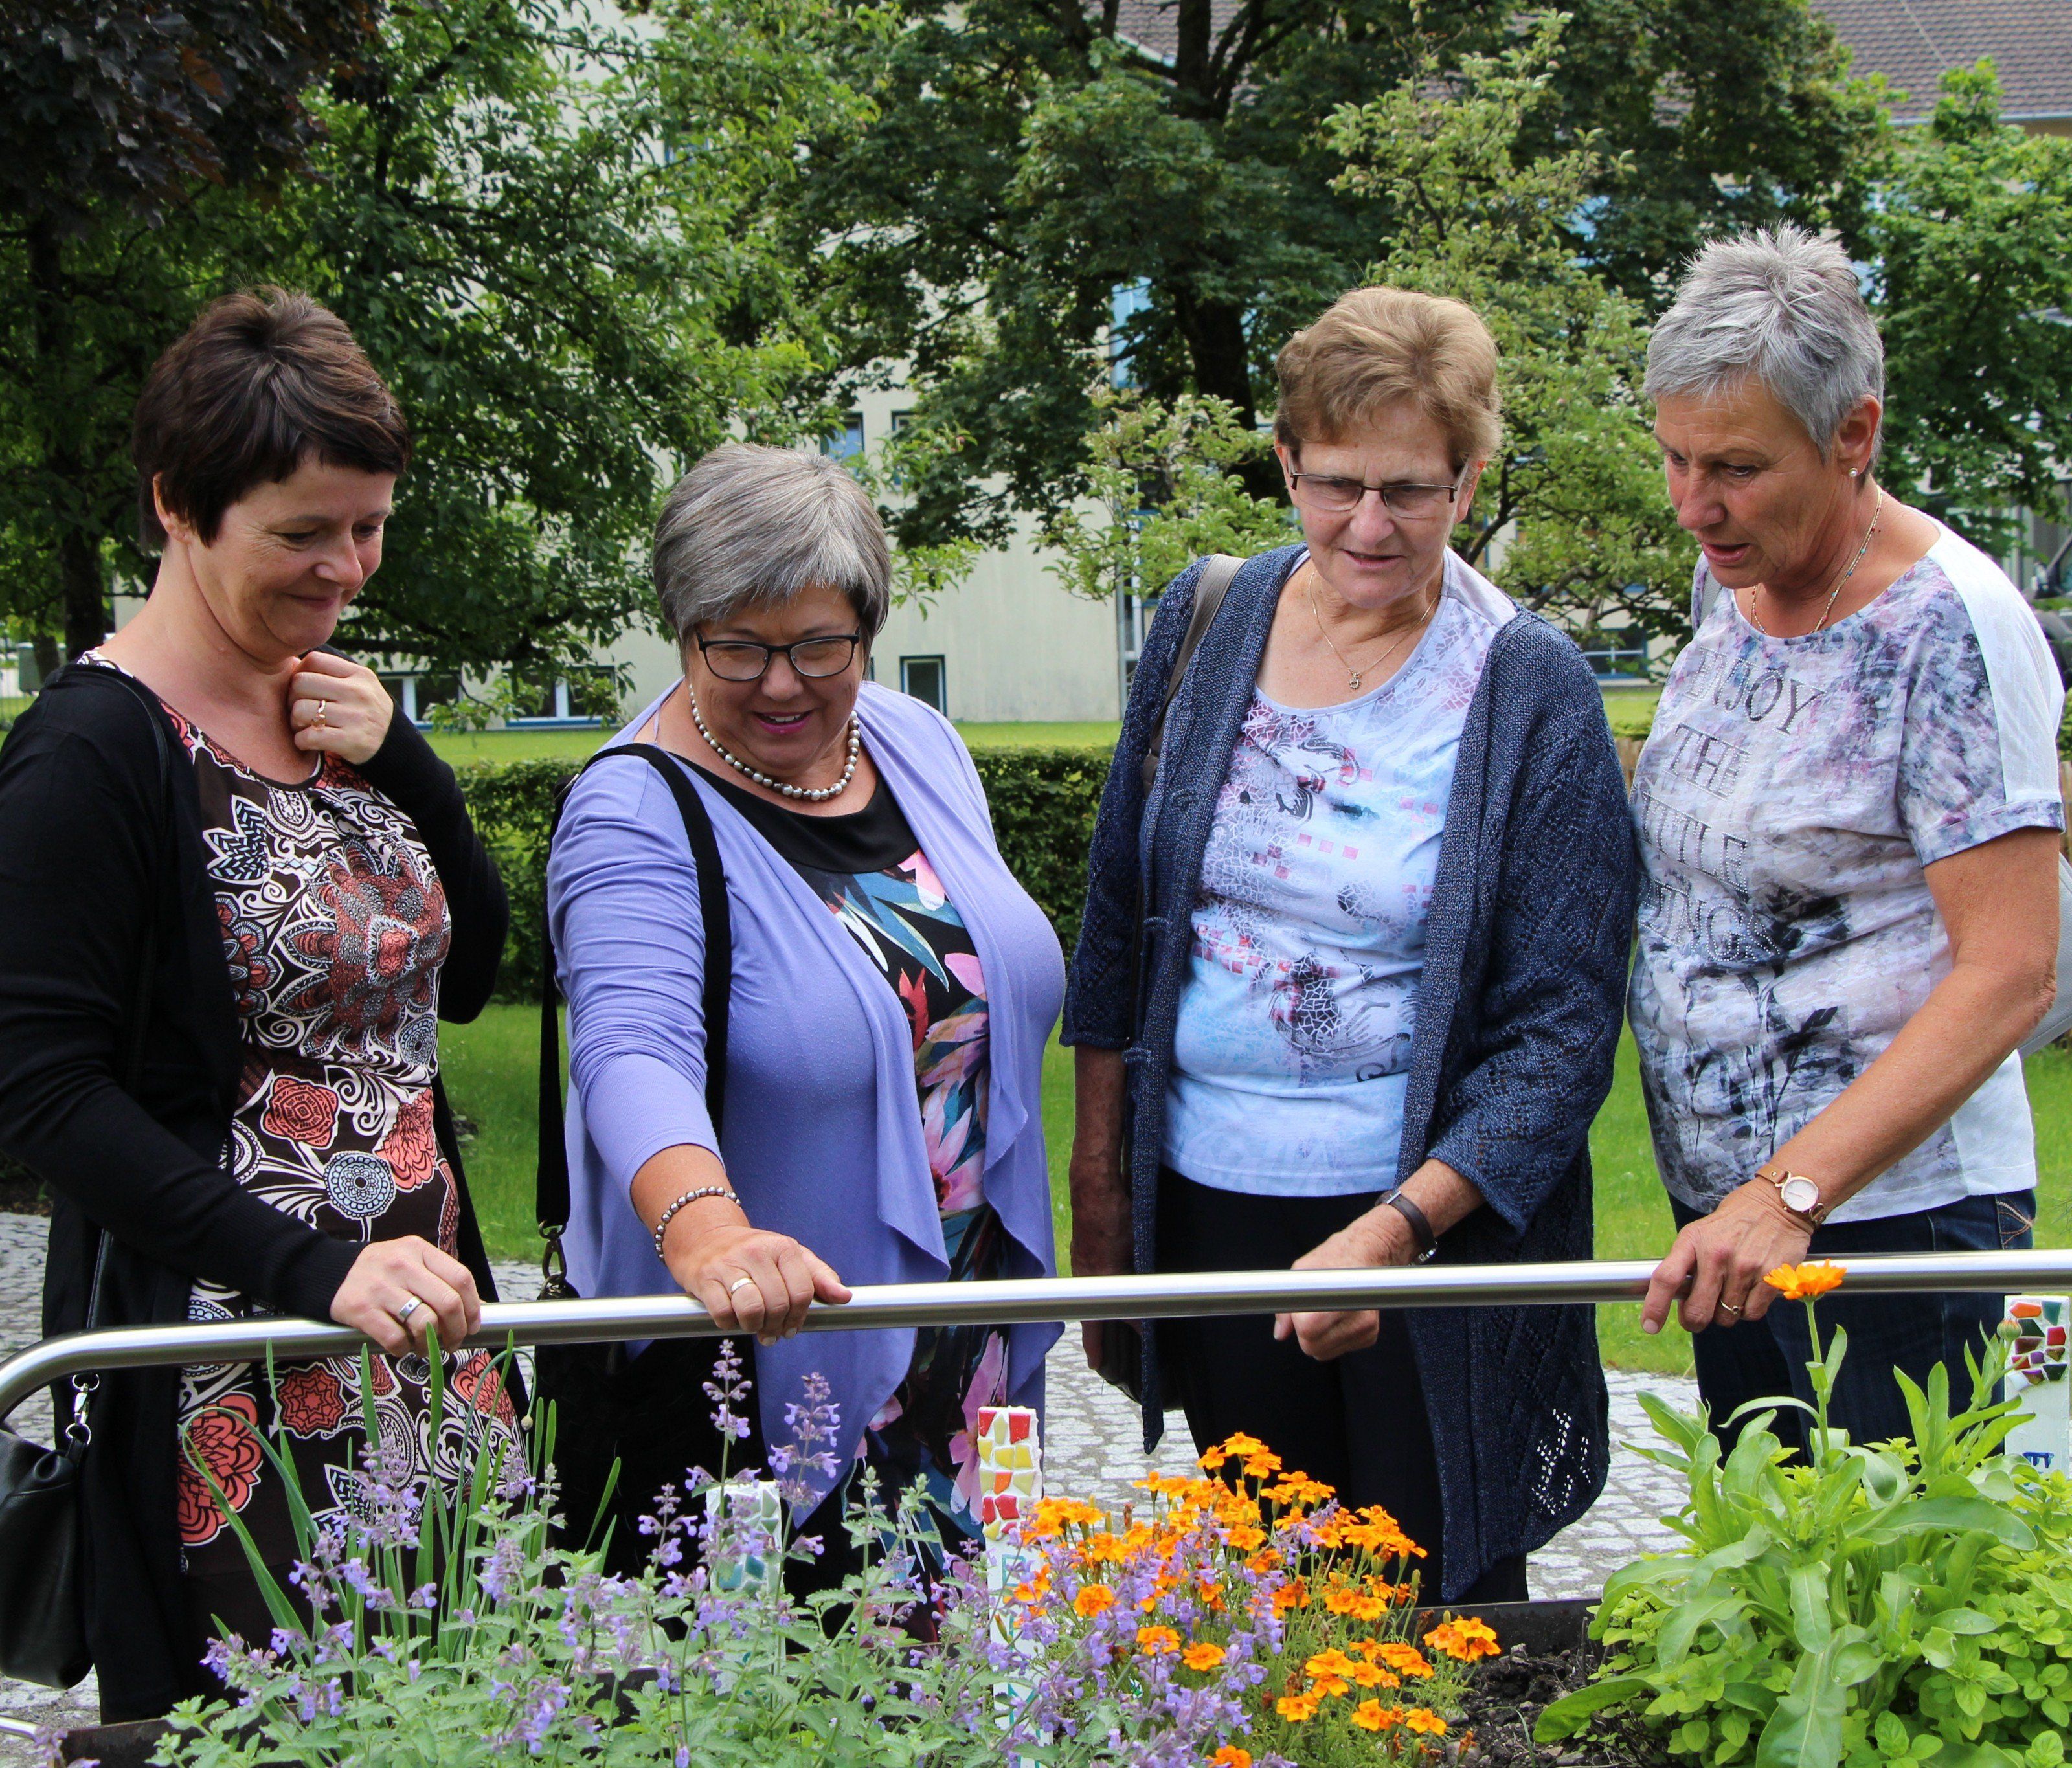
<point x="415" y="695"/>
<point x="543" y="701"/>
<point x="845" y="443"/>
<point x="923" y="678"/>
<point x="1125" y="304"/>
<point x="1610" y="660"/>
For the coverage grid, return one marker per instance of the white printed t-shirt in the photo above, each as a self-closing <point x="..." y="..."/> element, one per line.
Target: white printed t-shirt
<point x="1790" y="794"/>
<point x="1293" y="1049"/>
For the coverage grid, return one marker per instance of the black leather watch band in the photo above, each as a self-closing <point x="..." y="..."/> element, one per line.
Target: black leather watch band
<point x="1421" y="1223"/>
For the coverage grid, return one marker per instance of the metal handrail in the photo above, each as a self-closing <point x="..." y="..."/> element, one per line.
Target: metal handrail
<point x="1007" y="1303"/>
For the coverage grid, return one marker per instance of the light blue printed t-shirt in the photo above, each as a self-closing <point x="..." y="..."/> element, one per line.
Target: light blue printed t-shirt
<point x="1787" y="803"/>
<point x="1292" y="1049"/>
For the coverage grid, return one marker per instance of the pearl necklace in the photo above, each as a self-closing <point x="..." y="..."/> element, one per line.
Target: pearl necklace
<point x="809" y="795"/>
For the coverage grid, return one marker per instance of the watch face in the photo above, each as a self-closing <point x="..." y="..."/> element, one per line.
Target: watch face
<point x="1801" y="1195"/>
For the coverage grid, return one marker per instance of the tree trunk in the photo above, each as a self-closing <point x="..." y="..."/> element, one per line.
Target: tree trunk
<point x="87" y="616"/>
<point x="1214" y="331"/>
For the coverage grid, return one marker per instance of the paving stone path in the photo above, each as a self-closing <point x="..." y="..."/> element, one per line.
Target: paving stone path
<point x="1092" y="1450"/>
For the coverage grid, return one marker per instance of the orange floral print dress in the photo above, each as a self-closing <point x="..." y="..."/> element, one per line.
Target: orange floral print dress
<point x="334" y="925"/>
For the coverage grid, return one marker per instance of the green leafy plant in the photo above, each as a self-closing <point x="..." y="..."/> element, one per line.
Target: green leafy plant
<point x="1908" y="1600"/>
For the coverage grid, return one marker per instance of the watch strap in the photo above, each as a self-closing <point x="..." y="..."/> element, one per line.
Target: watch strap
<point x="1780" y="1177"/>
<point x="1421" y="1223"/>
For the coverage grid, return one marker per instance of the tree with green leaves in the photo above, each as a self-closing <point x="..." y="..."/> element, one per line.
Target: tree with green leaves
<point x="122" y="128"/>
<point x="548" y="233"/>
<point x="1971" y="256"/>
<point x="1570" y="517"/>
<point x="1028" y="158"/>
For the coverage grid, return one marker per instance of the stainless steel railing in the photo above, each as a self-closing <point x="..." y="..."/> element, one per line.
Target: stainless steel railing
<point x="1004" y="1304"/>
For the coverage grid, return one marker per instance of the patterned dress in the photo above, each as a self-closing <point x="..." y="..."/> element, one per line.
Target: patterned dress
<point x="868" y="868"/>
<point x="334" y="925"/>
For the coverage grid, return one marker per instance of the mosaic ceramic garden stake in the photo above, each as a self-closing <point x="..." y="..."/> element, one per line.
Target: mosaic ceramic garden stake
<point x="2041" y="1378"/>
<point x="755" y="1516"/>
<point x="1010" y="1472"/>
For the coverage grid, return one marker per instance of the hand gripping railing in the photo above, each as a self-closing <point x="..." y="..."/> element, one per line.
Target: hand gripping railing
<point x="1006" y="1303"/>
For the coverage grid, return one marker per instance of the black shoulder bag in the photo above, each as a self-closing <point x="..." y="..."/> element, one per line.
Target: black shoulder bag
<point x="1122" y="1341"/>
<point x="43" y="1611"/>
<point x="625" y="1425"/>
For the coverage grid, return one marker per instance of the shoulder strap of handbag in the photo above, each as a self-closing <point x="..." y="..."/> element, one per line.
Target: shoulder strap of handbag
<point x="1209" y="588"/>
<point x="552" y="1179"/>
<point x="79" y="1432"/>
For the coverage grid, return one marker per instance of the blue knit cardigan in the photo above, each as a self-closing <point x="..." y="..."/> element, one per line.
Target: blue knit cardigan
<point x="1518" y="1019"/>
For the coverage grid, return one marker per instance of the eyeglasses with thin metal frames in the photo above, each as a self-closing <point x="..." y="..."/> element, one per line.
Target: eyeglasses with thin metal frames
<point x="1336" y="496"/>
<point x="814" y="660"/>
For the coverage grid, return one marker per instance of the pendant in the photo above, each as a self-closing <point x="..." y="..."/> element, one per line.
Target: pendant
<point x="1353" y="676"/>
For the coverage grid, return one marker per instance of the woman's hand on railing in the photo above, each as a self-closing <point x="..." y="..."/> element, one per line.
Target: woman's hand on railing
<point x="388" y="1276"/>
<point x="1379" y="1238"/>
<point x="748" y="1279"/>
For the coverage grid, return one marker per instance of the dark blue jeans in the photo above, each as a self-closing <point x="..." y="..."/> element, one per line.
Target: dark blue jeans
<point x="1756" y="1360"/>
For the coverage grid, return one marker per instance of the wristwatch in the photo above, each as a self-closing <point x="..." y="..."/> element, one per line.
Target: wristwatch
<point x="1798" y="1193"/>
<point x="1420" y="1225"/>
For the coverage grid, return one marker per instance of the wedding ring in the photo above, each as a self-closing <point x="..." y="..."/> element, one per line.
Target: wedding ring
<point x="738" y="1283"/>
<point x="324" y="713"/>
<point x="408" y="1308"/>
<point x="1728" y="1307"/>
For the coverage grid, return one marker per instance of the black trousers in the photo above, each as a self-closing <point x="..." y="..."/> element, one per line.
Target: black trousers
<point x="1357" y="1423"/>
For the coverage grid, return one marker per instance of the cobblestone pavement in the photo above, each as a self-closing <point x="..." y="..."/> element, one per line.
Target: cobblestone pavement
<point x="1092" y="1450"/>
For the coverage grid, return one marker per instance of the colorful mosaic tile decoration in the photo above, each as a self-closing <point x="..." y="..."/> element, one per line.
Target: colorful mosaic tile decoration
<point x="2040" y="1377"/>
<point x="1010" y="1469"/>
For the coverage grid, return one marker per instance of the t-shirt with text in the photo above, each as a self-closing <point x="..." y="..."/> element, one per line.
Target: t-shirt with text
<point x="1791" y="793"/>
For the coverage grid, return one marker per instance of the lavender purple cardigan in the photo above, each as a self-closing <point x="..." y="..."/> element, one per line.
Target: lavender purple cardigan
<point x="823" y="1136"/>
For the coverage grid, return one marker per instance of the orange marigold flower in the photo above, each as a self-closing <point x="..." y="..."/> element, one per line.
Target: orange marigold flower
<point x="1231" y="1756"/>
<point x="1094" y="1599"/>
<point x="1299" y="1708"/>
<point x="1212" y="1594"/>
<point x="1339" y="1601"/>
<point x="1330" y="1687"/>
<point x="1805" y="1282"/>
<point x="1202" y="1656"/>
<point x="1372" y="1715"/>
<point x="1406" y="1659"/>
<point x="1155" y="1642"/>
<point x="1372" y="1675"/>
<point x="1333" y="1663"/>
<point x="1422" y="1719"/>
<point x="1367" y="1607"/>
<point x="1463" y="1640"/>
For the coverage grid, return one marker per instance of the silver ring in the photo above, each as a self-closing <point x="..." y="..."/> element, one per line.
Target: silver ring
<point x="738" y="1283"/>
<point x="408" y="1308"/>
<point x="1729" y="1307"/>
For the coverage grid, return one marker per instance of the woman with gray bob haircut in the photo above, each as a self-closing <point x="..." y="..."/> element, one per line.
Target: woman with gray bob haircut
<point x="889" y="991"/>
<point x="1849" y="816"/>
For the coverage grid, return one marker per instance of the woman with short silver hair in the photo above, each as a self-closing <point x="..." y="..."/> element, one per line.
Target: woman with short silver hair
<point x="1849" y="817"/>
<point x="889" y="993"/>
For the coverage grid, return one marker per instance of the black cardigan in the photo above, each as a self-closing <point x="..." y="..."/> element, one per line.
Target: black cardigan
<point x="85" y="862"/>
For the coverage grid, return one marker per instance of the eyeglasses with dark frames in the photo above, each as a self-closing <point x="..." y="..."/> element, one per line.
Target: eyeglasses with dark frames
<point x="742" y="659"/>
<point x="1335" y="496"/>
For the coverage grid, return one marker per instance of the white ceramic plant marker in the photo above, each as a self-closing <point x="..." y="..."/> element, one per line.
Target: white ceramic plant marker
<point x="756" y="1504"/>
<point x="2040" y="1377"/>
<point x="1010" y="1471"/>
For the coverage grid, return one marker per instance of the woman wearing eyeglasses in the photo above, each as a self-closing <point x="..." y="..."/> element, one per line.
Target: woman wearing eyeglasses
<point x="892" y="988"/>
<point x="1350" y="979"/>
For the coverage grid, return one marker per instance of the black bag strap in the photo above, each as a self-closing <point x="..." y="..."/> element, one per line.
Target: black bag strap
<point x="551" y="1180"/>
<point x="78" y="1430"/>
<point x="1210" y="589"/>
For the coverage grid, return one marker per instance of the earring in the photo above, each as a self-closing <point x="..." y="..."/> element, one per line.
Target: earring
<point x="1854" y="471"/>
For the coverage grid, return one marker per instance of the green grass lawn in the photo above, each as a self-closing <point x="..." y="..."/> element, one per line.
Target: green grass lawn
<point x="1631" y="711"/>
<point x="491" y="1073"/>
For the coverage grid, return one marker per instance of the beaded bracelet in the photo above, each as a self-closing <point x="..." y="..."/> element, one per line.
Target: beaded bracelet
<point x="668" y="1215"/>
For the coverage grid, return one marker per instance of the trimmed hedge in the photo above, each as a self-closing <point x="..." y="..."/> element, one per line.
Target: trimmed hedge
<point x="1043" y="803"/>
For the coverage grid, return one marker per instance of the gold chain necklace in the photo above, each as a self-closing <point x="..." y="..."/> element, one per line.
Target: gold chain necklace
<point x="1870" y="534"/>
<point x="1353" y="676"/>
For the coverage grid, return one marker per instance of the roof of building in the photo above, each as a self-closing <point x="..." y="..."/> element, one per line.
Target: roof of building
<point x="1914" y="42"/>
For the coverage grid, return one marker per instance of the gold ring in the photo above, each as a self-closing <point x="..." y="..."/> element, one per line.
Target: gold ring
<point x="324" y="713"/>
<point x="739" y="1283"/>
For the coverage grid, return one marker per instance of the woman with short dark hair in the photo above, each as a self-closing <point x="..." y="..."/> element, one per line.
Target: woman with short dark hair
<point x="236" y="891"/>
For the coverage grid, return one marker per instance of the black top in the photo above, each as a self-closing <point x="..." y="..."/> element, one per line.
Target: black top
<point x="88" y="858"/>
<point x="868" y="840"/>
